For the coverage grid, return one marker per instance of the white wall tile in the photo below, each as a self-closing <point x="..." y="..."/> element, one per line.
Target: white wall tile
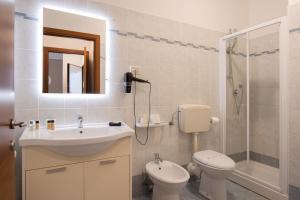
<point x="71" y="115"/>
<point x="76" y="4"/>
<point x="25" y="115"/>
<point x="97" y="115"/>
<point x="26" y="94"/>
<point x="51" y="101"/>
<point x="76" y="102"/>
<point x="294" y="156"/>
<point x="26" y="64"/>
<point x="30" y="7"/>
<point x="26" y="34"/>
<point x="57" y="114"/>
<point x="294" y="121"/>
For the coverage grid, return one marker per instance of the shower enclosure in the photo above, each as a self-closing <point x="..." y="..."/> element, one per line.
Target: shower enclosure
<point x="253" y="98"/>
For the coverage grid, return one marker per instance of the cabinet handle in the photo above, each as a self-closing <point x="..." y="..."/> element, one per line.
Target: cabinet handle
<point x="107" y="162"/>
<point x="56" y="170"/>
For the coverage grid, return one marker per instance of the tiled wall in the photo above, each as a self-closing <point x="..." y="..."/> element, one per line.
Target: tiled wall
<point x="180" y="60"/>
<point x="294" y="72"/>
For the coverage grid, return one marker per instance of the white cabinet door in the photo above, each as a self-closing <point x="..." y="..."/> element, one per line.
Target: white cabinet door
<point x="56" y="183"/>
<point x="108" y="179"/>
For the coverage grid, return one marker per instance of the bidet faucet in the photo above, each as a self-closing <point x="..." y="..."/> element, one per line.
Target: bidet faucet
<point x="157" y="158"/>
<point x="80" y="121"/>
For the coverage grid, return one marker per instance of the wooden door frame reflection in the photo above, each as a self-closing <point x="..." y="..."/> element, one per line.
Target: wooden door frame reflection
<point x="47" y="50"/>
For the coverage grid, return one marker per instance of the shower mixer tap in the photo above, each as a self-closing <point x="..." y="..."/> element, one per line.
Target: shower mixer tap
<point x="237" y="91"/>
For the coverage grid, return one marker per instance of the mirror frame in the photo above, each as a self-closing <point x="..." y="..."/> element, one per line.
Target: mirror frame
<point x="77" y="35"/>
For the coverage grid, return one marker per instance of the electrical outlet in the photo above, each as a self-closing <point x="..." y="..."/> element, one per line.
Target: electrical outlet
<point x="135" y="70"/>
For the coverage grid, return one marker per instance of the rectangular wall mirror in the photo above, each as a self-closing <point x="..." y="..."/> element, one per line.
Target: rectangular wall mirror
<point x="73" y="53"/>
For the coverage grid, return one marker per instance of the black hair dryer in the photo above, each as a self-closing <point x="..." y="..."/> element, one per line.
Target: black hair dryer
<point x="128" y="78"/>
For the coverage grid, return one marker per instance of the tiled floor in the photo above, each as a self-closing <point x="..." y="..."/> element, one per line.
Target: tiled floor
<point x="234" y="192"/>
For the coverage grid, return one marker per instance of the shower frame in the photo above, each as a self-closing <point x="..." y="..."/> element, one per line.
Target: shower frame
<point x="252" y="183"/>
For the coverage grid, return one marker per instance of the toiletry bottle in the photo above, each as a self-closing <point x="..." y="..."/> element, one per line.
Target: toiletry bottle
<point x="48" y="124"/>
<point x="37" y="125"/>
<point x="53" y="125"/>
<point x="31" y="125"/>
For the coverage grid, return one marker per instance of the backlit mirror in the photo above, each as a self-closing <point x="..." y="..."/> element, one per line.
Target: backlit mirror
<point x="73" y="53"/>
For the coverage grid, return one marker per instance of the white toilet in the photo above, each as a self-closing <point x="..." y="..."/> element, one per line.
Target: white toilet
<point x="215" y="167"/>
<point x="168" y="178"/>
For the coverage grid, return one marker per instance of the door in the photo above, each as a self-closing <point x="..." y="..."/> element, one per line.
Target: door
<point x="107" y="179"/>
<point x="7" y="159"/>
<point x="56" y="183"/>
<point x="85" y="71"/>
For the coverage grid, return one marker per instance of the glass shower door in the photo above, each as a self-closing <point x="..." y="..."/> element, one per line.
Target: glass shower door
<point x="253" y="92"/>
<point x="236" y="98"/>
<point x="264" y="105"/>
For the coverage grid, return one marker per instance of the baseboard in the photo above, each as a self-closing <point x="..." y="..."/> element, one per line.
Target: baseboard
<point x="294" y="193"/>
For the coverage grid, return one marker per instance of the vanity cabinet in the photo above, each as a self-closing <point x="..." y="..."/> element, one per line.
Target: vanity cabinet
<point x="59" y="183"/>
<point x="107" y="179"/>
<point x="51" y="176"/>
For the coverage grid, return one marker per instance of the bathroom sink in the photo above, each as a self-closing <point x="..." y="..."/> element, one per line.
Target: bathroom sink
<point x="74" y="141"/>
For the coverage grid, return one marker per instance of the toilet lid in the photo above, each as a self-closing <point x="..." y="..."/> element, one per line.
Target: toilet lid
<point x="214" y="159"/>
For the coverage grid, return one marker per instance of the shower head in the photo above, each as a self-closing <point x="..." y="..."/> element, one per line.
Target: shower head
<point x="234" y="41"/>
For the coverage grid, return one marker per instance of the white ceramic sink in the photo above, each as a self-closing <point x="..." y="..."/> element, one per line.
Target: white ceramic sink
<point x="73" y="141"/>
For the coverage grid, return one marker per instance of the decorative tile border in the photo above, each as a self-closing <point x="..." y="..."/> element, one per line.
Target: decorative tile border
<point x="25" y="16"/>
<point x="165" y="40"/>
<point x="237" y="157"/>
<point x="264" y="52"/>
<point x="237" y="53"/>
<point x="172" y="42"/>
<point x="255" y="54"/>
<point x="267" y="160"/>
<point x="261" y="158"/>
<point x="295" y="30"/>
<point x="294" y="193"/>
<point x="185" y="44"/>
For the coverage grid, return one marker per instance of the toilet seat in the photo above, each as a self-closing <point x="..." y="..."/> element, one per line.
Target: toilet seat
<point x="214" y="159"/>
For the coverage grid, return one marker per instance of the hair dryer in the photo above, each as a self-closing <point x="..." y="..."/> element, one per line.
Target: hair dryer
<point x="128" y="78"/>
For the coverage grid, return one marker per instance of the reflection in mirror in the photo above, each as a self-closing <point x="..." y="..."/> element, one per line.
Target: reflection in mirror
<point x="75" y="80"/>
<point x="67" y="70"/>
<point x="74" y="53"/>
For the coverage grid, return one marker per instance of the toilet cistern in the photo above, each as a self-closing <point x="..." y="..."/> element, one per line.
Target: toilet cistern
<point x="194" y="119"/>
<point x="213" y="166"/>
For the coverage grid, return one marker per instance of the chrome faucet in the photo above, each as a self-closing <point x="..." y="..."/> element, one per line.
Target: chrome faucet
<point x="157" y="158"/>
<point x="80" y="121"/>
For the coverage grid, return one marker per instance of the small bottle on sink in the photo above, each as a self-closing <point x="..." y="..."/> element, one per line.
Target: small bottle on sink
<point x="37" y="125"/>
<point x="51" y="124"/>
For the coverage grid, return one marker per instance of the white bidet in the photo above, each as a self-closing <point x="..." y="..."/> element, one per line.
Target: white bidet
<point x="168" y="178"/>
